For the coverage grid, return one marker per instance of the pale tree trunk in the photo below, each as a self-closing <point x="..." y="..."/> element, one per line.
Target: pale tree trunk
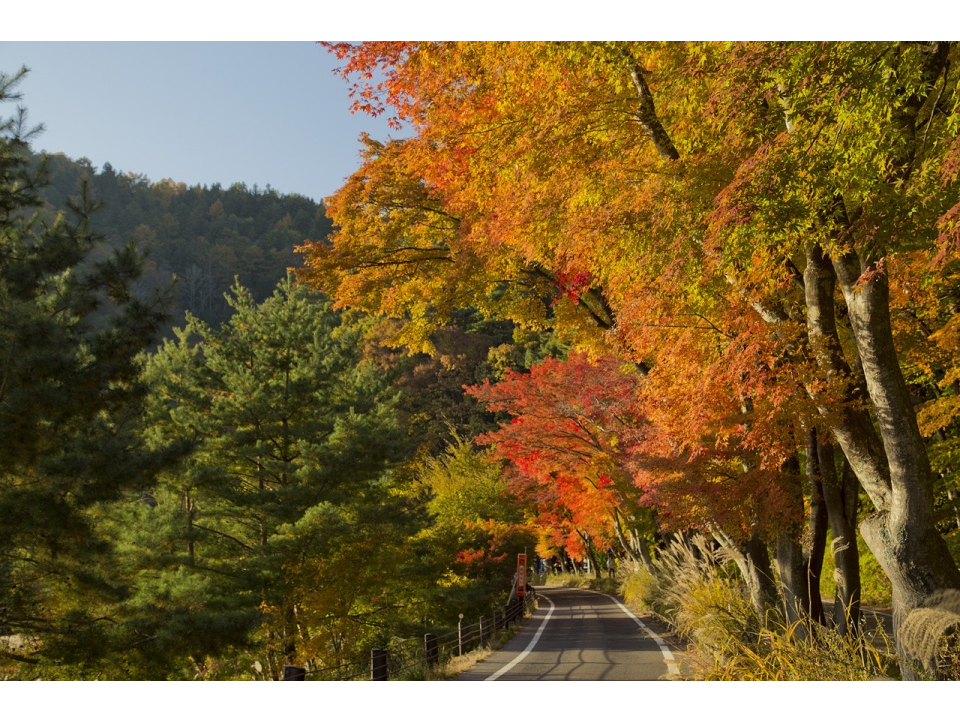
<point x="842" y="407"/>
<point x="893" y="467"/>
<point x="901" y="534"/>
<point x="792" y="572"/>
<point x="840" y="495"/>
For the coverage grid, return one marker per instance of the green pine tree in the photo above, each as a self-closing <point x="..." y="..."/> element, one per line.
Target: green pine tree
<point x="293" y="435"/>
<point x="70" y="333"/>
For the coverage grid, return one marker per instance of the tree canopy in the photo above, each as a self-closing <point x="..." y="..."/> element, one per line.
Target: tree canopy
<point x="740" y="220"/>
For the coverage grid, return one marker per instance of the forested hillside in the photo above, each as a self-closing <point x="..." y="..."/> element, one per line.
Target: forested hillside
<point x="205" y="236"/>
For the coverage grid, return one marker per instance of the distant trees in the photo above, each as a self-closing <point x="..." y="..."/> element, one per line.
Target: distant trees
<point x="206" y="236"/>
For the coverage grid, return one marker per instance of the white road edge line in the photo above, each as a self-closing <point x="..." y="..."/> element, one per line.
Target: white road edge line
<point x="668" y="658"/>
<point x="529" y="647"/>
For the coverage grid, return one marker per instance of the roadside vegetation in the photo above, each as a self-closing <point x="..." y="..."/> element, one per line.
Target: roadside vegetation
<point x="696" y="589"/>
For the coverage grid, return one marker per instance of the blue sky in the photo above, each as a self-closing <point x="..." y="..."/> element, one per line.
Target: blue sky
<point x="197" y="112"/>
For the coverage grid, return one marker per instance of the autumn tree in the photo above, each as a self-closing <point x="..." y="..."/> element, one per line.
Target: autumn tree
<point x="891" y="112"/>
<point x="656" y="189"/>
<point x="478" y="527"/>
<point x="602" y="462"/>
<point x="548" y="239"/>
<point x="573" y="438"/>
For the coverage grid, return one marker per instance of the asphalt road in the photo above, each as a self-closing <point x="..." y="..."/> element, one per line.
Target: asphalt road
<point x="579" y="635"/>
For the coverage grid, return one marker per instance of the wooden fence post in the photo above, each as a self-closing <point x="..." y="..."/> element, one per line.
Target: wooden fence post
<point x="431" y="649"/>
<point x="378" y="664"/>
<point x="292" y="672"/>
<point x="460" y="635"/>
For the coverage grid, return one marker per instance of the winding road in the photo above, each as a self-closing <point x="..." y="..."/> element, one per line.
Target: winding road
<point x="579" y="634"/>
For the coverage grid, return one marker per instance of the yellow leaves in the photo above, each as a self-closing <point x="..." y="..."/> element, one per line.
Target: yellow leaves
<point x="938" y="414"/>
<point x="451" y="580"/>
<point x="948" y="337"/>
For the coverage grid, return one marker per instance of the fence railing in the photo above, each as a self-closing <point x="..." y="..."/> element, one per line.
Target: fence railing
<point x="407" y="657"/>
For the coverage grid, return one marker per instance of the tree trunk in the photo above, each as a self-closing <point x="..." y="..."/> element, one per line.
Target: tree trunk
<point x="788" y="556"/>
<point x="753" y="561"/>
<point x="893" y="467"/>
<point x="841" y="498"/>
<point x="901" y="534"/>
<point x="792" y="573"/>
<point x="840" y="403"/>
<point x="817" y="528"/>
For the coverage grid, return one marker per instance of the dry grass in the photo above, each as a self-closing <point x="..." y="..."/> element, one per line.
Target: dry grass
<point x="461" y="664"/>
<point x="694" y="589"/>
<point x="793" y="653"/>
<point x="931" y="635"/>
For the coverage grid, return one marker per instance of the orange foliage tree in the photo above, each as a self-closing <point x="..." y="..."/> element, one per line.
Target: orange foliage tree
<point x="581" y="438"/>
<point x="574" y="432"/>
<point x="735" y="219"/>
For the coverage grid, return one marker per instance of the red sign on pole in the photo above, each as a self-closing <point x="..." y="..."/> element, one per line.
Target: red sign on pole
<point x="521" y="574"/>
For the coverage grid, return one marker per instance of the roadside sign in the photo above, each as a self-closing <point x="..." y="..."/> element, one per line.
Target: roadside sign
<point x="521" y="574"/>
